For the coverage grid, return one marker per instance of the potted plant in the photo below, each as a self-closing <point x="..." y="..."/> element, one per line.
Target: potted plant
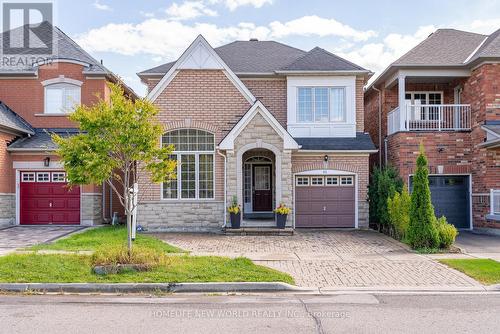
<point x="235" y="213"/>
<point x="282" y="212"/>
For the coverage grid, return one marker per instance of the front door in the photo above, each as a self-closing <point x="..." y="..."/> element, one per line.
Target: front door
<point x="262" y="188"/>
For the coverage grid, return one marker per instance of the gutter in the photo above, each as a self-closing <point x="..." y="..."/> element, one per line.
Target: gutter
<point x="338" y="151"/>
<point x="225" y="186"/>
<point x="379" y="124"/>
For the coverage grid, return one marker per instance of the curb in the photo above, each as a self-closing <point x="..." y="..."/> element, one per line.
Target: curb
<point x="151" y="287"/>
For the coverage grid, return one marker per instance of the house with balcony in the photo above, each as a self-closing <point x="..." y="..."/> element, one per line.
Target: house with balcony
<point x="445" y="94"/>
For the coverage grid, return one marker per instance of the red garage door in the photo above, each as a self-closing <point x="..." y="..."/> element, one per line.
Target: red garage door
<point x="46" y="199"/>
<point x="325" y="201"/>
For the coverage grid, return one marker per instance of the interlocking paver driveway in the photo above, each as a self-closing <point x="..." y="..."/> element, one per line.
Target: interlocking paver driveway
<point x="330" y="258"/>
<point x="25" y="236"/>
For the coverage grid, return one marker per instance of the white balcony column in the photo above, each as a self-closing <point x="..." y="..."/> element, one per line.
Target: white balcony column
<point x="401" y="101"/>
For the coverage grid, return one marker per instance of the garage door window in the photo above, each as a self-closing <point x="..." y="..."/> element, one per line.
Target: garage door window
<point x="42" y="177"/>
<point x="332" y="181"/>
<point x="59" y="177"/>
<point x="317" y="181"/>
<point x="302" y="181"/>
<point x="28" y="177"/>
<point x="346" y="180"/>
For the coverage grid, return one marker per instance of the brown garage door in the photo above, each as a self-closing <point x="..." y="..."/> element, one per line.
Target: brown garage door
<point x="325" y="201"/>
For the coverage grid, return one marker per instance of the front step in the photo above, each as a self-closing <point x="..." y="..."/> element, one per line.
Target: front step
<point x="258" y="231"/>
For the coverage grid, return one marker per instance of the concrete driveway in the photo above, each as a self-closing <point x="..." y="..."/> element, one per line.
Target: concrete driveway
<point x="331" y="259"/>
<point x="479" y="245"/>
<point x="15" y="237"/>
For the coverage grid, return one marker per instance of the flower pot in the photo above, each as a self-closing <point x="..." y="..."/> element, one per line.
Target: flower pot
<point x="281" y="220"/>
<point x="235" y="220"/>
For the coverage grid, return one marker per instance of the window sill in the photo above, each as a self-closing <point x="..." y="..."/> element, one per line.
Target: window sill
<point x="493" y="217"/>
<point x="52" y="115"/>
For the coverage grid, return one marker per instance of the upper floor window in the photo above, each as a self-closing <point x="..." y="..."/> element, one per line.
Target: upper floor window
<point x="195" y="156"/>
<point x="61" y="98"/>
<point x="321" y="104"/>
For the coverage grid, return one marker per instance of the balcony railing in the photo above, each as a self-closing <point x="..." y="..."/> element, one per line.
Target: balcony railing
<point x="429" y="117"/>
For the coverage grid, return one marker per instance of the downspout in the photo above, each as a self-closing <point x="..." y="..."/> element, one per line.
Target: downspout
<point x="385" y="151"/>
<point x="380" y="127"/>
<point x="225" y="185"/>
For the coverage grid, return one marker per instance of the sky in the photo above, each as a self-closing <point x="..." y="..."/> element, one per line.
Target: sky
<point x="131" y="36"/>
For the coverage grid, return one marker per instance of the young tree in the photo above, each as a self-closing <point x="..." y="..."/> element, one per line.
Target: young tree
<point x="117" y="139"/>
<point x="422" y="232"/>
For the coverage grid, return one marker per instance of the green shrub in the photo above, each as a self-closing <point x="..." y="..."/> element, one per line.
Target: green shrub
<point x="399" y="213"/>
<point x="385" y="182"/>
<point x="447" y="233"/>
<point x="422" y="231"/>
<point x="119" y="255"/>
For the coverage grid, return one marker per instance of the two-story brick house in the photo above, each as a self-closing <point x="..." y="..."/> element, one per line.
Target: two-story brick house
<point x="444" y="93"/>
<point x="35" y="100"/>
<point x="264" y="123"/>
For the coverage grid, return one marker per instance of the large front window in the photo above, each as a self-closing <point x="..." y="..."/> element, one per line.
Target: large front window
<point x="194" y="152"/>
<point x="321" y="104"/>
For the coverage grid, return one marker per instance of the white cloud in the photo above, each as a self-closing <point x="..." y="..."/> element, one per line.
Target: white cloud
<point x="318" y="26"/>
<point x="234" y="4"/>
<point x="189" y="10"/>
<point x="377" y="56"/>
<point x="168" y="37"/>
<point x="486" y="26"/>
<point x="101" y="6"/>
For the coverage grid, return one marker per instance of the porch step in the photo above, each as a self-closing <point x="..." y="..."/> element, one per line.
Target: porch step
<point x="258" y="231"/>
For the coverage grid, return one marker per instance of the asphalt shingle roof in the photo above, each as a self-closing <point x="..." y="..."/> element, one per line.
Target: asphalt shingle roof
<point x="13" y="121"/>
<point x="443" y="47"/>
<point x="493" y="126"/>
<point x="319" y="59"/>
<point x="41" y="140"/>
<point x="362" y="142"/>
<point x="270" y="56"/>
<point x="490" y="48"/>
<point x="63" y="48"/>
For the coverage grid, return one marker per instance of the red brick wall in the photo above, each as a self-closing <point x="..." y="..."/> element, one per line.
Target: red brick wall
<point x="204" y="99"/>
<point x="8" y="179"/>
<point x="272" y="93"/>
<point x="26" y="96"/>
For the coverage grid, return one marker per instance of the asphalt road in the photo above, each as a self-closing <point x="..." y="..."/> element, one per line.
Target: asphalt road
<point x="355" y="313"/>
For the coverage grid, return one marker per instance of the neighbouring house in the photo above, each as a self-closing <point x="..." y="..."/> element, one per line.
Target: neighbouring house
<point x="444" y="93"/>
<point x="265" y="123"/>
<point x="35" y="101"/>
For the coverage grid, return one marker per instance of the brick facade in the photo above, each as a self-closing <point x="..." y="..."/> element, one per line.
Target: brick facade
<point x="457" y="152"/>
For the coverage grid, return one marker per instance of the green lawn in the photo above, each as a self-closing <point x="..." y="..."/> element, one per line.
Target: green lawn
<point x="72" y="268"/>
<point x="483" y="270"/>
<point x="32" y="268"/>
<point x="107" y="236"/>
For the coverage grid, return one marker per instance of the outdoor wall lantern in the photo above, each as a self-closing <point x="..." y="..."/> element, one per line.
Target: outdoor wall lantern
<point x="46" y="162"/>
<point x="326" y="158"/>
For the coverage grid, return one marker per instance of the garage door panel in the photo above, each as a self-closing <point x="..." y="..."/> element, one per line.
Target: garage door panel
<point x="325" y="206"/>
<point x="49" y="203"/>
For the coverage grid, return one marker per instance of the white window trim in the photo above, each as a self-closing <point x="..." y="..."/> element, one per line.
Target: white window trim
<point x="64" y="84"/>
<point x="494" y="193"/>
<point x="318" y="177"/>
<point x="197" y="170"/>
<point x="333" y="184"/>
<point x="329" y="121"/>
<point x="346" y="177"/>
<point x="28" y="173"/>
<point x="42" y="173"/>
<point x="58" y="173"/>
<point x="426" y="92"/>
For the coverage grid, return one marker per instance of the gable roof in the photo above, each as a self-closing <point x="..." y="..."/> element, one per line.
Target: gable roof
<point x="200" y="55"/>
<point x="41" y="140"/>
<point x="12" y="121"/>
<point x="319" y="59"/>
<point x="258" y="108"/>
<point x="444" y="47"/>
<point x="269" y="57"/>
<point x="490" y="48"/>
<point x="361" y="143"/>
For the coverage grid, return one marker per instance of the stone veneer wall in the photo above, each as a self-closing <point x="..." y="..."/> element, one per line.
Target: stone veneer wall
<point x="7" y="209"/>
<point x="259" y="132"/>
<point x="91" y="209"/>
<point x="178" y="216"/>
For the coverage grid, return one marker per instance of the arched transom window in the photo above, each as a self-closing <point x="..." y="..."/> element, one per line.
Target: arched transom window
<point x="195" y="155"/>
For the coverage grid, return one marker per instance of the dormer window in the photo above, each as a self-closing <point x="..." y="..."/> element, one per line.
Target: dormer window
<point x="61" y="95"/>
<point x="321" y="104"/>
